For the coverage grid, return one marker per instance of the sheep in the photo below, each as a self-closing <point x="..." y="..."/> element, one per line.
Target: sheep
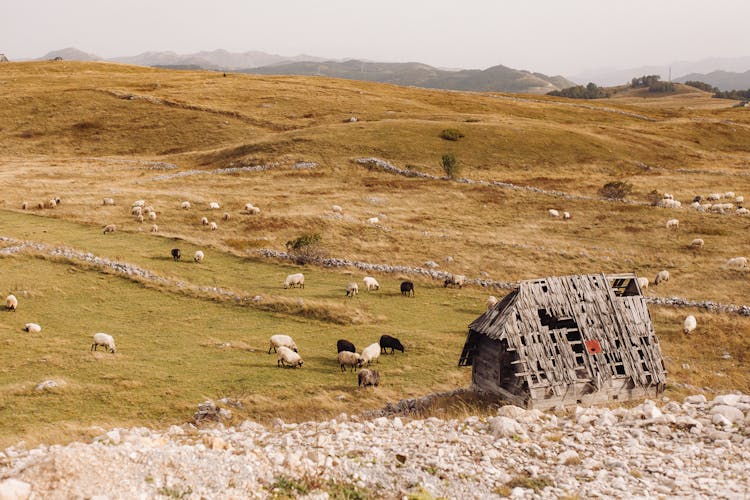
<point x="667" y="196"/>
<point x="152" y="215"/>
<point x="407" y="288"/>
<point x="139" y="203"/>
<point x="226" y="216"/>
<point x="689" y="324"/>
<point x="566" y="215"/>
<point x="491" y="301"/>
<point x="367" y="377"/>
<point x="32" y="328"/>
<point x="248" y="207"/>
<point x="280" y="340"/>
<point x="212" y="226"/>
<point x="642" y="282"/>
<point x="147" y="210"/>
<point x="40" y="205"/>
<point x="345" y="345"/>
<point x="136" y="211"/>
<point x="58" y="201"/>
<point x="24" y="205"/>
<point x="714" y="197"/>
<point x="729" y="194"/>
<point x="352" y="289"/>
<point x="50" y="204"/>
<point x="373" y="220"/>
<point x="108" y="201"/>
<point x="737" y="263"/>
<point x="154" y="228"/>
<point x="288" y="357"/>
<point x="739" y="199"/>
<point x="349" y="359"/>
<point x="11" y="303"/>
<point x="204" y="221"/>
<point x="371" y="353"/>
<point x="109" y="228"/>
<point x="742" y="211"/>
<point x="185" y="205"/>
<point x="198" y="257"/>
<point x="668" y="203"/>
<point x="254" y="211"/>
<point x="337" y="209"/>
<point x="673" y="224"/>
<point x="661" y="276"/>
<point x="454" y="280"/>
<point x="295" y="280"/>
<point x="105" y="340"/>
<point x="176" y="254"/>
<point x="139" y="219"/>
<point x="697" y="243"/>
<point x="214" y="206"/>
<point x="553" y="213"/>
<point x="371" y="283"/>
<point x="386" y="342"/>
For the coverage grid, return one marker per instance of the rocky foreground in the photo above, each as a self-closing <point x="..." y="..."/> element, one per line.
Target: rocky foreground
<point x="697" y="448"/>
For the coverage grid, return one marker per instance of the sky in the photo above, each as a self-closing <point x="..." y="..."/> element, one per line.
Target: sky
<point x="548" y="36"/>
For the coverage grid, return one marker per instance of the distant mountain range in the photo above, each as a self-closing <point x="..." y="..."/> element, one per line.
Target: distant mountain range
<point x="724" y="80"/>
<point x="494" y="79"/>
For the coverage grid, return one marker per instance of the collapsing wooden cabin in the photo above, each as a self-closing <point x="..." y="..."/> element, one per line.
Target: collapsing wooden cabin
<point x="562" y="341"/>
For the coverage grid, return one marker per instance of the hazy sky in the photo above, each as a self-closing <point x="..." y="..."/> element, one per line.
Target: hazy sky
<point x="549" y="36"/>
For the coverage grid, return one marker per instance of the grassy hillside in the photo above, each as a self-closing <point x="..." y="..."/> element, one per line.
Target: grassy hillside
<point x="85" y="131"/>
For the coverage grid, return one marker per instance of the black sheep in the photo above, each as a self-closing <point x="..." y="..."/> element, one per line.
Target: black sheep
<point x="407" y="288"/>
<point x="345" y="345"/>
<point x="176" y="254"/>
<point x="386" y="341"/>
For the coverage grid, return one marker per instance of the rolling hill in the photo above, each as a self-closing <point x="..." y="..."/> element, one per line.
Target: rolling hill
<point x="724" y="80"/>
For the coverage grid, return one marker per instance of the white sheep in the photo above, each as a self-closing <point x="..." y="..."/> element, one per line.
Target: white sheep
<point x="198" y="257"/>
<point x="697" y="243"/>
<point x="152" y="215"/>
<point x="371" y="283"/>
<point x="491" y="301"/>
<point x="673" y="224"/>
<point x="642" y="282"/>
<point x="213" y="226"/>
<point x="729" y="194"/>
<point x="103" y="339"/>
<point x="667" y="196"/>
<point x="139" y="219"/>
<point x="668" y="203"/>
<point x="136" y="211"/>
<point x="32" y="328"/>
<point x="714" y="197"/>
<point x="214" y="206"/>
<point x="295" y="280"/>
<point x="454" y="280"/>
<point x="352" y="289"/>
<point x="108" y="201"/>
<point x="254" y="211"/>
<point x="742" y="211"/>
<point x="553" y="213"/>
<point x="566" y="215"/>
<point x="11" y="302"/>
<point x="147" y="210"/>
<point x="185" y="205"/>
<point x="288" y="357"/>
<point x="737" y="263"/>
<point x="337" y="209"/>
<point x="371" y="353"/>
<point x="739" y="199"/>
<point x="248" y="207"/>
<point x="348" y="358"/>
<point x="110" y="228"/>
<point x="226" y="216"/>
<point x="661" y="276"/>
<point x="139" y="203"/>
<point x="204" y="221"/>
<point x="373" y="220"/>
<point x="689" y="324"/>
<point x="154" y="228"/>
<point x="280" y="340"/>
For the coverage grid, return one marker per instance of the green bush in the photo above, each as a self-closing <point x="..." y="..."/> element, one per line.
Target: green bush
<point x="450" y="165"/>
<point x="305" y="248"/>
<point x="451" y="134"/>
<point x="616" y="190"/>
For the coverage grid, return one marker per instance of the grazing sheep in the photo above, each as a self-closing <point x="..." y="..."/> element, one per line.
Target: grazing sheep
<point x="185" y="205"/>
<point x="294" y="281"/>
<point x="108" y="201"/>
<point x="729" y="194"/>
<point x="737" y="263"/>
<point x="50" y="204"/>
<point x="373" y="220"/>
<point x="668" y="203"/>
<point x="697" y="243"/>
<point x="367" y="377"/>
<point x="213" y="226"/>
<point x="11" y="303"/>
<point x="147" y="210"/>
<point x="226" y="216"/>
<point x="248" y="207"/>
<point x="387" y="342"/>
<point x="139" y="203"/>
<point x="105" y="340"/>
<point x="371" y="283"/>
<point x="407" y="288"/>
<point x="204" y="221"/>
<point x="110" y="228"/>
<point x="139" y="219"/>
<point x="254" y="211"/>
<point x="152" y="215"/>
<point x="491" y="301"/>
<point x="352" y="289"/>
<point x="566" y="215"/>
<point x="742" y="211"/>
<point x="689" y="324"/>
<point x="214" y="206"/>
<point x="32" y="328"/>
<point x="642" y="282"/>
<point x="136" y="211"/>
<point x="345" y="345"/>
<point x="279" y="340"/>
<point x="349" y="359"/>
<point x="287" y="357"/>
<point x="24" y="205"/>
<point x="154" y="228"/>
<point x="714" y="197"/>
<point x="371" y="353"/>
<point x="739" y="199"/>
<point x="176" y="254"/>
<point x="40" y="205"/>
<point x="661" y="276"/>
<point x="337" y="209"/>
<point x="673" y="224"/>
<point x="553" y="213"/>
<point x="455" y="280"/>
<point x="58" y="201"/>
<point x="198" y="257"/>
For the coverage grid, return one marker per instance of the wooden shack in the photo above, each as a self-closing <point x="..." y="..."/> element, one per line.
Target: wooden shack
<point x="561" y="341"/>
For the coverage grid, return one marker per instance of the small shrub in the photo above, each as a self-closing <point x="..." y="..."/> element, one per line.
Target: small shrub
<point x="450" y="165"/>
<point x="654" y="197"/>
<point x="289" y="487"/>
<point x="530" y="483"/>
<point x="616" y="190"/>
<point x="451" y="134"/>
